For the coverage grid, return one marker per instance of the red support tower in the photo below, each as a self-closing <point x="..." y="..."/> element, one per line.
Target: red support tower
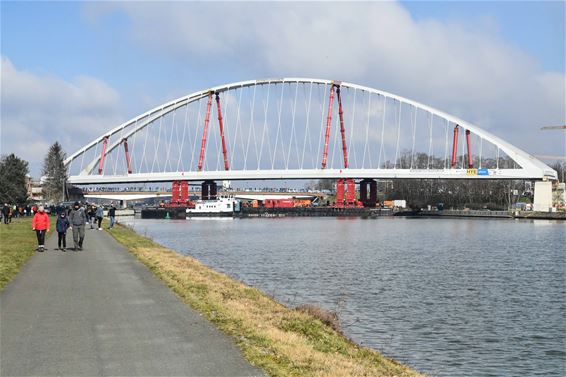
<point x="185" y="191"/>
<point x="328" y="123"/>
<point x="469" y="144"/>
<point x="345" y="188"/>
<point x="340" y="194"/>
<point x="351" y="192"/>
<point x="205" y="131"/>
<point x="345" y="193"/>
<point x="454" y="147"/>
<point x="221" y="125"/>
<point x="128" y="160"/>
<point x="342" y="129"/>
<point x="179" y="193"/>
<point x="176" y="192"/>
<point x="102" y="155"/>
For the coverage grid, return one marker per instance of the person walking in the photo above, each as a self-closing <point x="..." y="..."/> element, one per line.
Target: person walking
<point x="112" y="215"/>
<point x="40" y="223"/>
<point x="5" y="212"/>
<point x="91" y="215"/>
<point x="77" y="218"/>
<point x="99" y="216"/>
<point x="62" y="226"/>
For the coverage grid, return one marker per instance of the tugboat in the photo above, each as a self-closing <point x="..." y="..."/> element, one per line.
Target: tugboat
<point x="224" y="206"/>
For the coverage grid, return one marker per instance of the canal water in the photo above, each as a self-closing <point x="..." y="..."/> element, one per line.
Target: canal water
<point x="449" y="297"/>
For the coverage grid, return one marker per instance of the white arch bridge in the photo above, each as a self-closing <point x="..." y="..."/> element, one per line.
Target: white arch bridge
<point x="297" y="128"/>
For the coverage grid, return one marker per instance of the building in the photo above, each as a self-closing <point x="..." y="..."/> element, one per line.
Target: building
<point x="34" y="189"/>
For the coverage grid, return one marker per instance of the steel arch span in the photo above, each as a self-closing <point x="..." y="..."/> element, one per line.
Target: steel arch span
<point x="297" y="128"/>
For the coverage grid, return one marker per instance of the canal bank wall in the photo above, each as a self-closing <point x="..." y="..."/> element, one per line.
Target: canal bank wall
<point x="491" y="214"/>
<point x="282" y="341"/>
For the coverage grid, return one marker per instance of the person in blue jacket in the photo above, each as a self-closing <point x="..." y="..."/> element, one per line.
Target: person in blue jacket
<point x="62" y="226"/>
<point x="99" y="215"/>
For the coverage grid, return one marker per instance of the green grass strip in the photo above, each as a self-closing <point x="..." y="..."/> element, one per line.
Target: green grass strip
<point x="17" y="244"/>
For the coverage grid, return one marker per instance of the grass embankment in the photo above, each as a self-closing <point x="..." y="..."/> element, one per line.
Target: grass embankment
<point x="17" y="244"/>
<point x="282" y="341"/>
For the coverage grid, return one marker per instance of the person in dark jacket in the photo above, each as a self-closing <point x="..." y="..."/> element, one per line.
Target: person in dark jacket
<point x="91" y="216"/>
<point x="77" y="218"/>
<point x="112" y="216"/>
<point x="6" y="212"/>
<point x="62" y="226"/>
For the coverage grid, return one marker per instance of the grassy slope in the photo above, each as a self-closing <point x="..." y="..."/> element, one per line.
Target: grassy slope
<point x="17" y="245"/>
<point x="282" y="341"/>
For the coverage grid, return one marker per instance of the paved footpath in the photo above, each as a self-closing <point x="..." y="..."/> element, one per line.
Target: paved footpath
<point x="100" y="312"/>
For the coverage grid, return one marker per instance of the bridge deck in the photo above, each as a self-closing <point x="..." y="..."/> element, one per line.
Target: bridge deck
<point x="101" y="312"/>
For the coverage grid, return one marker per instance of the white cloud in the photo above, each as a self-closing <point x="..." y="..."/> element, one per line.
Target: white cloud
<point x="467" y="70"/>
<point x="39" y="110"/>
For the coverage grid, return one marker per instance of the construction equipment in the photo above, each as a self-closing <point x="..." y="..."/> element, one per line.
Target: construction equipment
<point x="553" y="128"/>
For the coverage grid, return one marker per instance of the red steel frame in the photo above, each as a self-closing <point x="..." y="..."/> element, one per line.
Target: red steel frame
<point x="205" y="131"/>
<point x="128" y="160"/>
<point x="102" y="155"/>
<point x="454" y="147"/>
<point x="220" y="124"/>
<point x="206" y="121"/>
<point x="329" y="123"/>
<point x="342" y="129"/>
<point x="469" y="144"/>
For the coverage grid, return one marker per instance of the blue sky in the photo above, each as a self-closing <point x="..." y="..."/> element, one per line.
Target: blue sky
<point x="133" y="56"/>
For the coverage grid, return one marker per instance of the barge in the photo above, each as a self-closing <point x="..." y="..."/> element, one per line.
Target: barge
<point x="224" y="206"/>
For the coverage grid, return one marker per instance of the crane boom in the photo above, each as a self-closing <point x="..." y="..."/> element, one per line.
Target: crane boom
<point x="553" y="128"/>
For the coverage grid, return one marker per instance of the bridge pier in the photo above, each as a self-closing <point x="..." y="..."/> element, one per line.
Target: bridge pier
<point x="543" y="196"/>
<point x="371" y="200"/>
<point x="209" y="190"/>
<point x="180" y="192"/>
<point x="345" y="192"/>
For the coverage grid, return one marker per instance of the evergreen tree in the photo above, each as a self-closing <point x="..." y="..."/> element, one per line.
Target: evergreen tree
<point x="13" y="172"/>
<point x="55" y="174"/>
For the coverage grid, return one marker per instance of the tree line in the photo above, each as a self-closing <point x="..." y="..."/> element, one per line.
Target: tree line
<point x="453" y="193"/>
<point x="14" y="181"/>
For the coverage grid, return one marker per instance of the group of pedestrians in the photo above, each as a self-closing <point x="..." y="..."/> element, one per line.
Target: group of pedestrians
<point x="10" y="211"/>
<point x="76" y="220"/>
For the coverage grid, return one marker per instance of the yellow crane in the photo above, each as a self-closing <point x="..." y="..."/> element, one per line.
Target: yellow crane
<point x="553" y="128"/>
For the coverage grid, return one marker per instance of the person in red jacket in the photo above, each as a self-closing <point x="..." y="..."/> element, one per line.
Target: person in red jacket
<point x="40" y="224"/>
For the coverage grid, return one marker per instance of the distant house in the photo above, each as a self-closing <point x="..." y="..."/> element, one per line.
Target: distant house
<point x="34" y="189"/>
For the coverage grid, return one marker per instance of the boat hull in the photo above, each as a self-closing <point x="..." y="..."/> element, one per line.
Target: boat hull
<point x="210" y="214"/>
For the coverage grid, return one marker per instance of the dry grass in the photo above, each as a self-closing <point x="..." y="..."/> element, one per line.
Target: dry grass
<point x="327" y="317"/>
<point x="282" y="341"/>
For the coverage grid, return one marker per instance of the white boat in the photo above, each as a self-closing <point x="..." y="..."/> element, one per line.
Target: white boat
<point x="223" y="206"/>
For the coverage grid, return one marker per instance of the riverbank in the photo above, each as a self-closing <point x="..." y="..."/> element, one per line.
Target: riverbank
<point x="492" y="214"/>
<point x="17" y="244"/>
<point x="281" y="340"/>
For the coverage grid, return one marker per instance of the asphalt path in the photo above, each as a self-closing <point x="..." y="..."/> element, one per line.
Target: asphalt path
<point x="100" y="312"/>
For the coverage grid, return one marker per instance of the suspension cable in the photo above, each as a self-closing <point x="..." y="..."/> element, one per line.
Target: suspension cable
<point x="382" y="132"/>
<point x="398" y="135"/>
<point x="308" y="109"/>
